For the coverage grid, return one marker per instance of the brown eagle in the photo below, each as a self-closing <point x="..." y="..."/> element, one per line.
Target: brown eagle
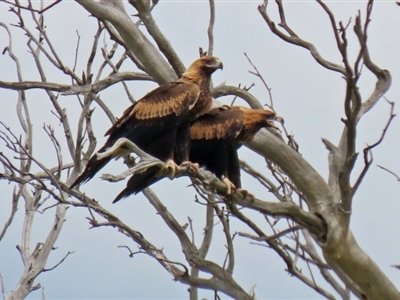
<point x="159" y="123"/>
<point x="217" y="135"/>
<point x="215" y="138"/>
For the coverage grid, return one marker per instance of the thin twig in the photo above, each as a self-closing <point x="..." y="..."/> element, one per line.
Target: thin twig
<point x="3" y="287"/>
<point x="368" y="150"/>
<point x="391" y="172"/>
<point x="258" y="74"/>
<point x="59" y="263"/>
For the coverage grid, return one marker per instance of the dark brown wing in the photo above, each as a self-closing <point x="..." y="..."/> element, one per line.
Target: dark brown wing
<point x="171" y="98"/>
<point x="151" y="123"/>
<point x="214" y="145"/>
<point x="217" y="135"/>
<point x="218" y="124"/>
<point x="233" y="170"/>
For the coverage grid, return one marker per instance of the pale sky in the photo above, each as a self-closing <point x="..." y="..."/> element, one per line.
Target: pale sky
<point x="309" y="97"/>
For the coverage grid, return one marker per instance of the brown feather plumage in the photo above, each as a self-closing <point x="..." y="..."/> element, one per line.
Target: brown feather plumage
<point x="253" y="121"/>
<point x="233" y="122"/>
<point x="194" y="84"/>
<point x="199" y="72"/>
<point x="219" y="123"/>
<point x="159" y="122"/>
<point x="171" y="98"/>
<point x="160" y="117"/>
<point x="218" y="134"/>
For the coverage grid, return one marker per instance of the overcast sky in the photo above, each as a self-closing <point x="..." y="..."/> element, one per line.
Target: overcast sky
<point x="309" y="97"/>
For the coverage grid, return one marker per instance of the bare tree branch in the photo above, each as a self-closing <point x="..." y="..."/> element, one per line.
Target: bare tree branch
<point x="368" y="150"/>
<point x="258" y="74"/>
<point x="134" y="39"/>
<point x="225" y="90"/>
<point x="144" y="10"/>
<point x="292" y="38"/>
<point x="42" y="10"/>
<point x="319" y="199"/>
<point x="205" y="245"/>
<point x="10" y="219"/>
<point x="59" y="263"/>
<point x="229" y="286"/>
<point x="210" y="30"/>
<point x="76" y="89"/>
<point x="391" y="172"/>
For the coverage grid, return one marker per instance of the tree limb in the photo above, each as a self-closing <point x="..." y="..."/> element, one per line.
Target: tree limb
<point x="114" y="12"/>
<point x="144" y="10"/>
<point x="292" y="38"/>
<point x="66" y="89"/>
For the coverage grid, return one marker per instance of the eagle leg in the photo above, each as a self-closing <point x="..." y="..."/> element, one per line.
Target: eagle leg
<point x="193" y="168"/>
<point x="246" y="194"/>
<point x="229" y="185"/>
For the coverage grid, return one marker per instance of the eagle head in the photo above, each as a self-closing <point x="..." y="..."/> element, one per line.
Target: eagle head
<point x="273" y="117"/>
<point x="204" y="65"/>
<point x="211" y="63"/>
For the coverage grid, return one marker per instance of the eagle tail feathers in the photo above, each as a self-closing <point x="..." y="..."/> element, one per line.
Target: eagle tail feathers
<point x="93" y="166"/>
<point x="139" y="182"/>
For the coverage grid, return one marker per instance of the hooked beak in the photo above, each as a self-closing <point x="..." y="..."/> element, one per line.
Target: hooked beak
<point x="277" y="118"/>
<point x="217" y="64"/>
<point x="220" y="65"/>
<point x="271" y="123"/>
<point x="280" y="119"/>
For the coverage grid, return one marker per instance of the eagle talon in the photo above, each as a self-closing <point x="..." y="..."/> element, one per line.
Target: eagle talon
<point x="171" y="168"/>
<point x="192" y="168"/>
<point x="246" y="194"/>
<point x="229" y="185"/>
<point x="130" y="160"/>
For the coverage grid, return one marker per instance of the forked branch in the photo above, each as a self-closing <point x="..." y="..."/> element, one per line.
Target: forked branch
<point x="292" y="38"/>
